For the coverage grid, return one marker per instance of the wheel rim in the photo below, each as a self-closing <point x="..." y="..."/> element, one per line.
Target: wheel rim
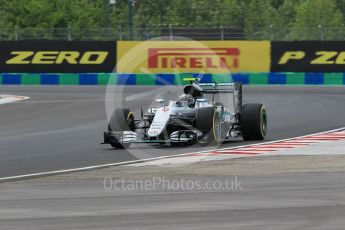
<point x="216" y="128"/>
<point x="130" y="120"/>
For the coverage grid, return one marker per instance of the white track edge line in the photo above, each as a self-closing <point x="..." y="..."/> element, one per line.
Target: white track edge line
<point x="65" y="171"/>
<point x="16" y="98"/>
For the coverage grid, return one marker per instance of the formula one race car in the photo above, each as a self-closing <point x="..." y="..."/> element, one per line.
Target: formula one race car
<point x="192" y="119"/>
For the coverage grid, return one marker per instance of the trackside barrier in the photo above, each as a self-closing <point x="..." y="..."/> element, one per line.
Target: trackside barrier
<point x="170" y="79"/>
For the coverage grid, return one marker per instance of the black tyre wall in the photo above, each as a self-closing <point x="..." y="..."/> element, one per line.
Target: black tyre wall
<point x="118" y="120"/>
<point x="204" y="122"/>
<point x="204" y="119"/>
<point x="252" y="123"/>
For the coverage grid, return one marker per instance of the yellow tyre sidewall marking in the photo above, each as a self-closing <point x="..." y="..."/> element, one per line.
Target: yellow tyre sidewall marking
<point x="214" y="127"/>
<point x="129" y="115"/>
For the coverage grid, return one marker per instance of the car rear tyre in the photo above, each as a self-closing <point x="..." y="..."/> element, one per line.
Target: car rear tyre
<point x="121" y="120"/>
<point x="253" y="122"/>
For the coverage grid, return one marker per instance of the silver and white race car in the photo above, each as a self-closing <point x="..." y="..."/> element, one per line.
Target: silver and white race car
<point x="194" y="118"/>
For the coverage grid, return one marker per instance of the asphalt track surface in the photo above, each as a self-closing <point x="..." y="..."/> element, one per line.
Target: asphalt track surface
<point x="270" y="200"/>
<point x="60" y="127"/>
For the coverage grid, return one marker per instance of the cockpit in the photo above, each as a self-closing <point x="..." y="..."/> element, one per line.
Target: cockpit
<point x="192" y="97"/>
<point x="186" y="100"/>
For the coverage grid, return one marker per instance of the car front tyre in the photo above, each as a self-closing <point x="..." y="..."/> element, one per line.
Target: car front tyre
<point x="208" y="122"/>
<point x="121" y="120"/>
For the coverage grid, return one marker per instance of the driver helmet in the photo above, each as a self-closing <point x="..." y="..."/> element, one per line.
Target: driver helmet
<point x="187" y="99"/>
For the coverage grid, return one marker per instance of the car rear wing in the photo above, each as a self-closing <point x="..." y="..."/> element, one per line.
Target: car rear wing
<point x="216" y="88"/>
